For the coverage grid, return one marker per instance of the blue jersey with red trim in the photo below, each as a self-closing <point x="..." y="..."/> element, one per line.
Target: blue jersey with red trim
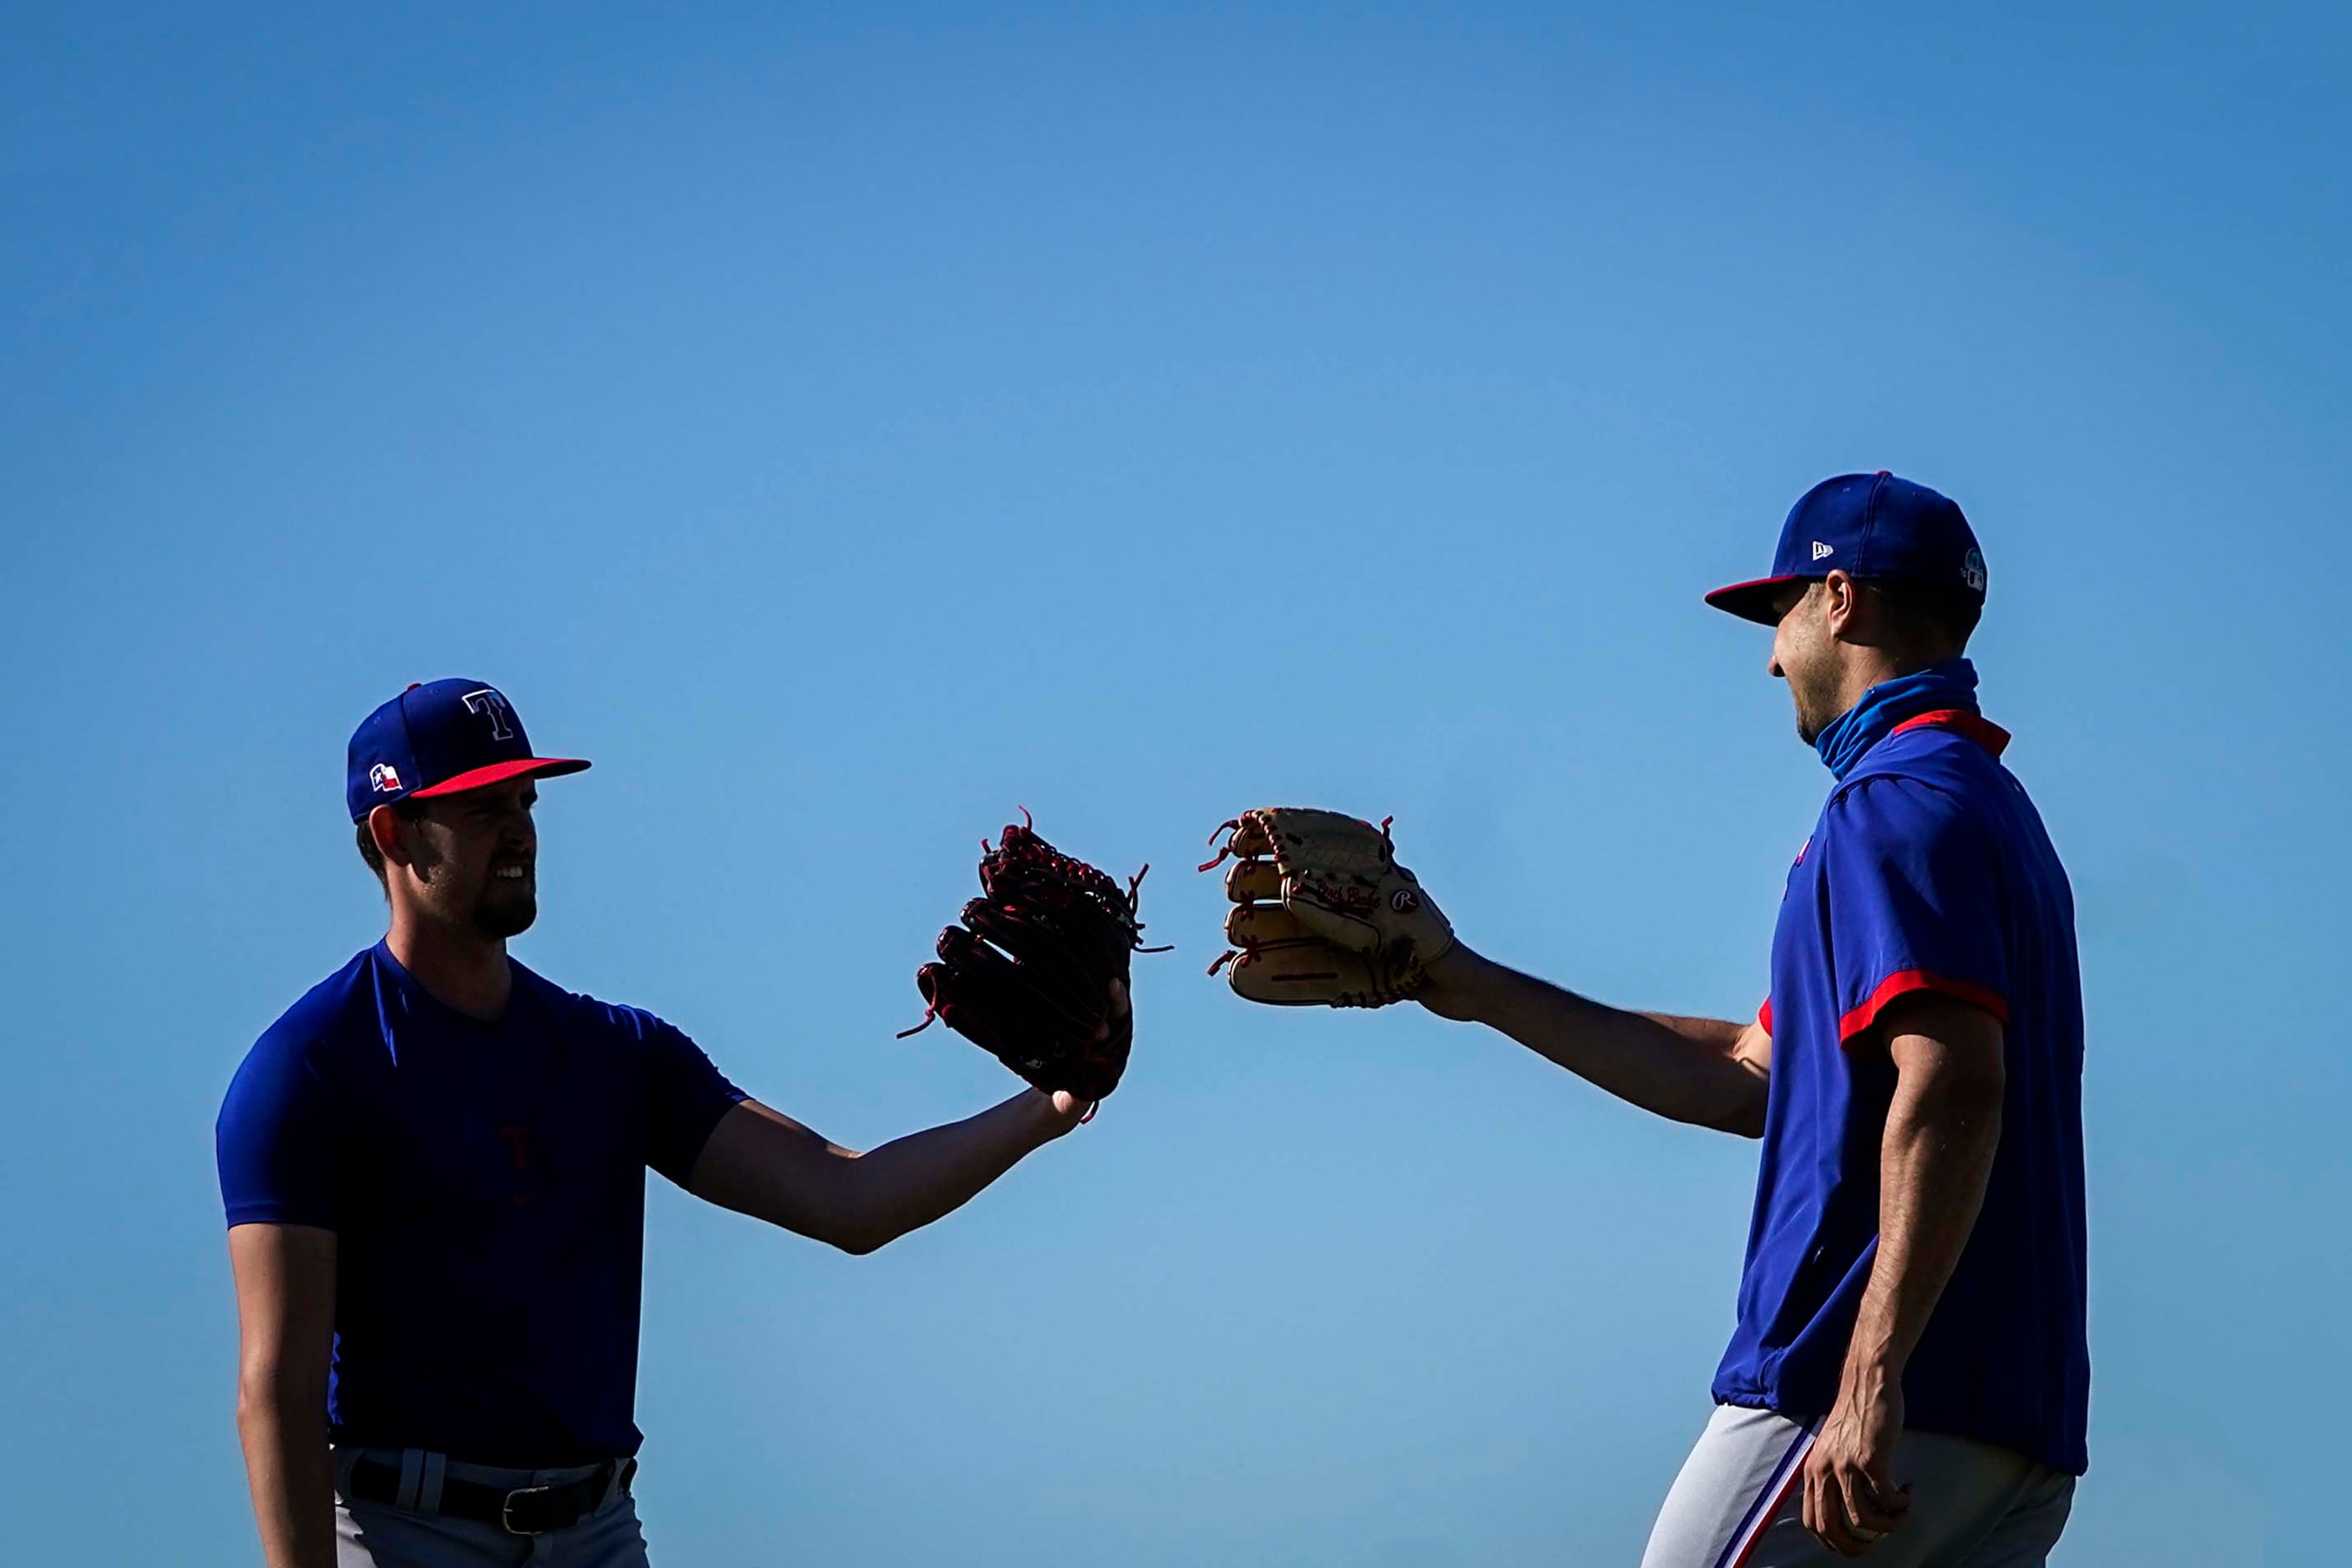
<point x="1929" y="870"/>
<point x="486" y="1183"/>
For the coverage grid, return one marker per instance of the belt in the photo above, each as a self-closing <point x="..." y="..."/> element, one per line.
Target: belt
<point x="523" y="1510"/>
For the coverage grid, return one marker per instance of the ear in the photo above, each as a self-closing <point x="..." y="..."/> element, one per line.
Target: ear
<point x="384" y="826"/>
<point x="1843" y="607"/>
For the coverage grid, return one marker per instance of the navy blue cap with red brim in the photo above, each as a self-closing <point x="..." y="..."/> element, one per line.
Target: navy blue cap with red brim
<point x="442" y="738"/>
<point x="1873" y="527"/>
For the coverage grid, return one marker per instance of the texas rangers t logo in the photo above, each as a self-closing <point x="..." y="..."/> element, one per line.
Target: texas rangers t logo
<point x="488" y="702"/>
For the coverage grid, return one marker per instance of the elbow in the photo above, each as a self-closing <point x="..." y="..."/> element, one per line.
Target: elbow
<point x="260" y="1395"/>
<point x="1742" y="1115"/>
<point x="842" y="1233"/>
<point x="859" y="1238"/>
<point x="266" y="1398"/>
<point x="1745" y="1121"/>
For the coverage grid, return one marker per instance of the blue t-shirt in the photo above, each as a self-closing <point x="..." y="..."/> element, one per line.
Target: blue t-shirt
<point x="1929" y="870"/>
<point x="486" y="1185"/>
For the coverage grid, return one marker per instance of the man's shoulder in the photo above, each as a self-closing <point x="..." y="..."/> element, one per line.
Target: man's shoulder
<point x="577" y="1011"/>
<point x="1909" y="796"/>
<point x="1934" y="781"/>
<point x="327" y="1017"/>
<point x="312" y="1042"/>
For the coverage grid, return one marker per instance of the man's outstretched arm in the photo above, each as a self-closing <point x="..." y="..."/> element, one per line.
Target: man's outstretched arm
<point x="1710" y="1072"/>
<point x="285" y="1327"/>
<point x="762" y="1163"/>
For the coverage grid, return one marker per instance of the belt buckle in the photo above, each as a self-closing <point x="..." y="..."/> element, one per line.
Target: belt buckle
<point x="506" y="1511"/>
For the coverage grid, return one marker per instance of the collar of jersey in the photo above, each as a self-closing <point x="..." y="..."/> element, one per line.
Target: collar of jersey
<point x="1975" y="726"/>
<point x="1947" y="687"/>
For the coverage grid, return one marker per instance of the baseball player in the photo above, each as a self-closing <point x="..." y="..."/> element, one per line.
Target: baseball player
<point x="1909" y="1378"/>
<point x="434" y="1170"/>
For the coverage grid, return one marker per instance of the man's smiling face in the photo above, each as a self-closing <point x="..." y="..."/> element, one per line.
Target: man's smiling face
<point x="475" y="857"/>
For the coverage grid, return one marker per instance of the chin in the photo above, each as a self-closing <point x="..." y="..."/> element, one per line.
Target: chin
<point x="507" y="917"/>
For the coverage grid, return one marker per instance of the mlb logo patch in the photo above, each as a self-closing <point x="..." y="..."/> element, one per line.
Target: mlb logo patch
<point x="383" y="778"/>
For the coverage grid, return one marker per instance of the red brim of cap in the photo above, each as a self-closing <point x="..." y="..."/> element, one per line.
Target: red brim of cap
<point x="1753" y="601"/>
<point x="499" y="772"/>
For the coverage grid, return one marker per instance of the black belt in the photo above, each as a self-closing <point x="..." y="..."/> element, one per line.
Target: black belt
<point x="524" y="1510"/>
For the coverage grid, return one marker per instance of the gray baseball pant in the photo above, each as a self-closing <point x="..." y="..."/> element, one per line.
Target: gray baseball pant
<point x="382" y="1535"/>
<point x="1740" y="1502"/>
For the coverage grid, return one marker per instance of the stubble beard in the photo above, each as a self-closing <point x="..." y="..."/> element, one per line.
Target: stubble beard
<point x="1816" y="710"/>
<point x="497" y="910"/>
<point x="502" y="913"/>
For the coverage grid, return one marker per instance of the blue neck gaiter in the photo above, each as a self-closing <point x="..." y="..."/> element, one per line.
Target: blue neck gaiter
<point x="1951" y="684"/>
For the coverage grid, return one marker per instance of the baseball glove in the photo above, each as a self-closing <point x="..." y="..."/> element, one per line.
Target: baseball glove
<point x="1322" y="912"/>
<point x="1027" y="976"/>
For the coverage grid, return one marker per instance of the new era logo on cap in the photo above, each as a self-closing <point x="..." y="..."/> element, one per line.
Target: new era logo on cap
<point x="437" y="739"/>
<point x="1821" y="551"/>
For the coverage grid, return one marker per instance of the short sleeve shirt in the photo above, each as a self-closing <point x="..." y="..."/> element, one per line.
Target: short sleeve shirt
<point x="486" y="1185"/>
<point x="1928" y="869"/>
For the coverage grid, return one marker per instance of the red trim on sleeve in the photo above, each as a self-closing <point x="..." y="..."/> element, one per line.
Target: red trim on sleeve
<point x="1909" y="980"/>
<point x="1983" y="731"/>
<point x="1764" y="1015"/>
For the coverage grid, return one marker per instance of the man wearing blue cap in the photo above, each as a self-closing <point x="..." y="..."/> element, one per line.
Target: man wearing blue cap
<point x="433" y="1170"/>
<point x="1909" y="1378"/>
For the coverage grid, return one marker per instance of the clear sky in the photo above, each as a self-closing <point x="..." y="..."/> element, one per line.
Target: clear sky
<point x="848" y="426"/>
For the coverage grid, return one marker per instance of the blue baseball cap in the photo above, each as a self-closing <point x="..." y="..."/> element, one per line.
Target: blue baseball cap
<point x="440" y="738"/>
<point x="1875" y="528"/>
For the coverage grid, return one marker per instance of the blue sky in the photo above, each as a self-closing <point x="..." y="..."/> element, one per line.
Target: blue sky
<point x="848" y="427"/>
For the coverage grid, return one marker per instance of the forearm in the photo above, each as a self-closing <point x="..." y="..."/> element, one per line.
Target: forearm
<point x="284" y="1433"/>
<point x="1934" y="1160"/>
<point x="762" y="1163"/>
<point x="909" y="1182"/>
<point x="1704" y="1072"/>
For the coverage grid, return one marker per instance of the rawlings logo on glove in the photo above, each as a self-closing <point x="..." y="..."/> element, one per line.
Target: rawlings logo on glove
<point x="1323" y="914"/>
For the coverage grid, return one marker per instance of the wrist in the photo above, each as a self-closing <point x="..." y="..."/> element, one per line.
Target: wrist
<point x="1871" y="1374"/>
<point x="1054" y="1114"/>
<point x="1459" y="985"/>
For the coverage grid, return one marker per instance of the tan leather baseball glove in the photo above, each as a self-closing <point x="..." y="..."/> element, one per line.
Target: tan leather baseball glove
<point x="1323" y="915"/>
